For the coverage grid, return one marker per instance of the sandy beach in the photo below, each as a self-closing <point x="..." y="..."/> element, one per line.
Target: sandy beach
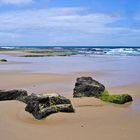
<point x="93" y="119"/>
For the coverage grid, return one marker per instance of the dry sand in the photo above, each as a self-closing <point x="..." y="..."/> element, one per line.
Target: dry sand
<point x="93" y="119"/>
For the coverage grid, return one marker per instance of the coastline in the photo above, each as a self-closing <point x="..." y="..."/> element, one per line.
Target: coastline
<point x="93" y="119"/>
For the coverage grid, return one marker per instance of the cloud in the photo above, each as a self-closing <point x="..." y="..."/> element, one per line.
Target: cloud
<point x="66" y="25"/>
<point x="9" y="35"/>
<point x="16" y="2"/>
<point x="64" y="18"/>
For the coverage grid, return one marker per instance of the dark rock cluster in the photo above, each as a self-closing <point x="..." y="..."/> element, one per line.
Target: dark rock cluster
<point x="41" y="105"/>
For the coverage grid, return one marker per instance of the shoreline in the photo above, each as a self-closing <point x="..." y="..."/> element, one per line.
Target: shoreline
<point x="43" y="51"/>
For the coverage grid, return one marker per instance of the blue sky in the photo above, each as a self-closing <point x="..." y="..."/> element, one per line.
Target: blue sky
<point x="70" y="22"/>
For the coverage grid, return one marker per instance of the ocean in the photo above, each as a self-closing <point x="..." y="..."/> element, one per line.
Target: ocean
<point x="89" y="50"/>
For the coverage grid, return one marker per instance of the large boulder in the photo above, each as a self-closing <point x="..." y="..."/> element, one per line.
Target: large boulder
<point x="88" y="87"/>
<point x="13" y="95"/>
<point x="42" y="105"/>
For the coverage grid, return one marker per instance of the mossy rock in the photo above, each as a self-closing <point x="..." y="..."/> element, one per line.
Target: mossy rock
<point x="117" y="99"/>
<point x="39" y="105"/>
<point x="3" y="60"/>
<point x="43" y="105"/>
<point x="13" y="95"/>
<point x="87" y="87"/>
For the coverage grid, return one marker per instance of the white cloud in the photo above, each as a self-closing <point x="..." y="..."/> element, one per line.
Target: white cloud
<point x="62" y="25"/>
<point x="16" y="2"/>
<point x="64" y="18"/>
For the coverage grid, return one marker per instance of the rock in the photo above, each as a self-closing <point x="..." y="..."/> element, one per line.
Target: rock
<point x="88" y="87"/>
<point x="3" y="60"/>
<point x="42" y="105"/>
<point x="13" y="95"/>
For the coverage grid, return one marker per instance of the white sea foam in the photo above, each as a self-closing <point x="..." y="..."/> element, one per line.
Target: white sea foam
<point x="6" y="47"/>
<point x="111" y="51"/>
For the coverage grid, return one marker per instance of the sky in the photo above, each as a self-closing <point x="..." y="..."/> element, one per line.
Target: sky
<point x="70" y="22"/>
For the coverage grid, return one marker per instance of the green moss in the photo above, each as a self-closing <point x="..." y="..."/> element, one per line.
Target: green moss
<point x="117" y="99"/>
<point x="41" y="106"/>
<point x="46" y="53"/>
<point x="55" y="108"/>
<point x="3" y="60"/>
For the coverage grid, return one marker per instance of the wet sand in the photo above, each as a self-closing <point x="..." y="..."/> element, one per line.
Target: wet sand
<point x="93" y="119"/>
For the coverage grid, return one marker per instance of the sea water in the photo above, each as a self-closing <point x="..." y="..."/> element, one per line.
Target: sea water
<point x="89" y="50"/>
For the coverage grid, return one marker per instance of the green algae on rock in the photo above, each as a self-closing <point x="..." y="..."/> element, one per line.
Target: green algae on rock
<point x="88" y="87"/>
<point x="117" y="98"/>
<point x="43" y="105"/>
